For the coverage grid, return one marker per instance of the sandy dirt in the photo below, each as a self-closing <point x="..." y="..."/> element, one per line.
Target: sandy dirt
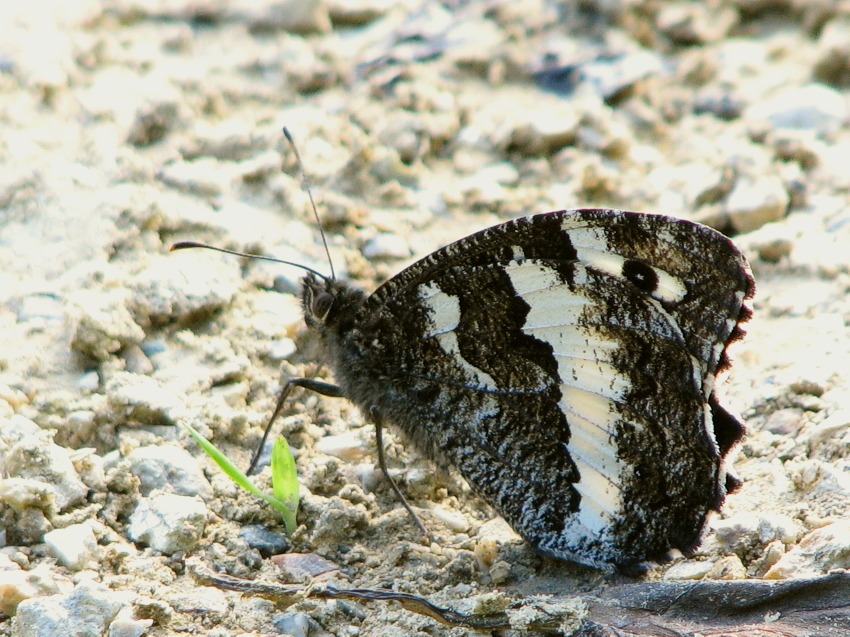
<point x="126" y="125"/>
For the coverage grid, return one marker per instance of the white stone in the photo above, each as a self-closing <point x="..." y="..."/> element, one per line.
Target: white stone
<point x="142" y="398"/>
<point x="818" y="552"/>
<point x="360" y="12"/>
<point x="738" y="532"/>
<point x="727" y="568"/>
<point x="86" y="611"/>
<point x="775" y="526"/>
<point x="200" y="599"/>
<point x="186" y="283"/>
<point x="688" y="570"/>
<point x="695" y="22"/>
<point x="348" y="446"/>
<point x="74" y="546"/>
<point x="746" y="530"/>
<point x="206" y="176"/>
<point x="169" y="468"/>
<point x="297" y="624"/>
<point x="814" y="107"/>
<point x="16" y="428"/>
<point x="490" y="537"/>
<point x="453" y="520"/>
<point x="282" y="348"/>
<point x="833" y="482"/>
<point x="386" y="246"/>
<point x="168" y="523"/>
<point x="27" y="493"/>
<point x="125" y="625"/>
<point x="832" y="425"/>
<point x="104" y="324"/>
<point x="35" y="456"/>
<point x="756" y="202"/>
<point x="16" y="584"/>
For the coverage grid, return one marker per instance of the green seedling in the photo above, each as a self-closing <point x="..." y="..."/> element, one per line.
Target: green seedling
<point x="284" y="477"/>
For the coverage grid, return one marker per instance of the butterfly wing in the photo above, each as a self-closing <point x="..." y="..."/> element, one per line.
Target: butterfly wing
<point x="564" y="364"/>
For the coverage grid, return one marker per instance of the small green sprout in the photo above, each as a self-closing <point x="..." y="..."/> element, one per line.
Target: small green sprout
<point x="284" y="477"/>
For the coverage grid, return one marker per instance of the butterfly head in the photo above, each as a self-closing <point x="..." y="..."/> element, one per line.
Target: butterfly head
<point x="329" y="304"/>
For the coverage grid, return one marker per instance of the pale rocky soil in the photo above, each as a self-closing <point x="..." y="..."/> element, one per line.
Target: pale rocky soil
<point x="127" y="125"/>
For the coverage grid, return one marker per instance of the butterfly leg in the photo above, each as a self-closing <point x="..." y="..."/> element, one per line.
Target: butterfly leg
<point x="325" y="389"/>
<point x="382" y="462"/>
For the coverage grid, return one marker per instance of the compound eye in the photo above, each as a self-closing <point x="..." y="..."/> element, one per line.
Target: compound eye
<point x="322" y="303"/>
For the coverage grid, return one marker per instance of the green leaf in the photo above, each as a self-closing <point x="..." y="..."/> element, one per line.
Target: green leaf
<point x="287" y="509"/>
<point x="285" y="482"/>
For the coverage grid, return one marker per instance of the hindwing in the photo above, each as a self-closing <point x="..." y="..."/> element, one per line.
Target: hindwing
<point x="565" y="364"/>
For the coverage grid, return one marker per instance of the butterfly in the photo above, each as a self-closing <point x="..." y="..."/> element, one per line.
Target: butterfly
<point x="565" y="365"/>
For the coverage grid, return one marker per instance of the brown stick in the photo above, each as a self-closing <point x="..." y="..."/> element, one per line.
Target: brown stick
<point x="813" y="607"/>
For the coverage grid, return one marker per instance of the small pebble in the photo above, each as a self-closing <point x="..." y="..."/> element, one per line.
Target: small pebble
<point x="338" y="520"/>
<point x="17" y="584"/>
<point x="45" y="307"/>
<point x="784" y="422"/>
<point x="743" y="532"/>
<point x="814" y="107"/>
<point x="267" y="542"/>
<point x="168" y="468"/>
<point x="168" y="523"/>
<point x="500" y="572"/>
<point x="296" y="624"/>
<point x="104" y="324"/>
<point x="296" y="16"/>
<point x="153" y="346"/>
<point x="205" y="176"/>
<point x="88" y="382"/>
<point x="348" y="446"/>
<point x="832" y="482"/>
<point x="387" y="246"/>
<point x="756" y="202"/>
<point x="453" y="520"/>
<point x="722" y="104"/>
<point x="491" y="536"/>
<point x="200" y="599"/>
<point x="696" y="23"/>
<point x="833" y="64"/>
<point x="135" y="360"/>
<point x="772" y="242"/>
<point x="33" y="455"/>
<point x="125" y="625"/>
<point x="818" y="552"/>
<point x="776" y="526"/>
<point x="26" y="493"/>
<point x="87" y="610"/>
<point x="74" y="546"/>
<point x="688" y="570"/>
<point x="186" y="283"/>
<point x="833" y="426"/>
<point x="142" y="399"/>
<point x="727" y="568"/>
<point x="772" y="553"/>
<point x="281" y="349"/>
<point x="300" y="565"/>
<point x="738" y="533"/>
<point x="345" y="12"/>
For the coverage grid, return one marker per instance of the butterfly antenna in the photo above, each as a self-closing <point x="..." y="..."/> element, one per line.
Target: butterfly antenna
<point x="305" y="183"/>
<point x="183" y="245"/>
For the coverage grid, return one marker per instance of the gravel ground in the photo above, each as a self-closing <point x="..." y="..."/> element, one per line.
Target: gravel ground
<point x="130" y="124"/>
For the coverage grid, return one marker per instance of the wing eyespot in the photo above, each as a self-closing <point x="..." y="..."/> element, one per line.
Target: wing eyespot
<point x="642" y="275"/>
